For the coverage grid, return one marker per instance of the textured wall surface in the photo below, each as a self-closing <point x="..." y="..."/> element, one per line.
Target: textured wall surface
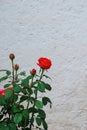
<point x="56" y="29"/>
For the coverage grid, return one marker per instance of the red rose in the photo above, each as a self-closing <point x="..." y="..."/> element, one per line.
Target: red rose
<point x="2" y="92"/>
<point x="44" y="63"/>
<point x="11" y="56"/>
<point x="33" y="72"/>
<point x="16" y="67"/>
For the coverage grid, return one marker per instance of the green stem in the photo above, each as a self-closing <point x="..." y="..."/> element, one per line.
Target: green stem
<point x="31" y="82"/>
<point x="41" y="74"/>
<point x="12" y="72"/>
<point x="30" y="87"/>
<point x="36" y="96"/>
<point x="16" y="76"/>
<point x="13" y="82"/>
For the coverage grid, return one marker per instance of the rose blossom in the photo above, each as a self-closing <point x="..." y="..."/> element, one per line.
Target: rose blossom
<point x="3" y="91"/>
<point x="44" y="63"/>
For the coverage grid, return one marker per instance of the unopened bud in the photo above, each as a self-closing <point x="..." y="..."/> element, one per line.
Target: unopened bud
<point x="33" y="72"/>
<point x="11" y="56"/>
<point x="16" y="67"/>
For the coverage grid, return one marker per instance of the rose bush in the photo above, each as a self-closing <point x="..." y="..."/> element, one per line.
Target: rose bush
<point x="21" y="104"/>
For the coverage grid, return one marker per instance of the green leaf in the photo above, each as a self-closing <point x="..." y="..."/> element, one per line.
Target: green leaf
<point x="47" y="76"/>
<point x="48" y="87"/>
<point x="3" y="123"/>
<point x="30" y="91"/>
<point x="9" y="94"/>
<point x="25" y="82"/>
<point x="32" y="110"/>
<point x="35" y="91"/>
<point x="6" y="85"/>
<point x="42" y="113"/>
<point x="8" y="72"/>
<point x="31" y="100"/>
<point x="3" y="78"/>
<point x="23" y="73"/>
<point x="17" y="108"/>
<point x="17" y="88"/>
<point x="12" y="126"/>
<point x="45" y="126"/>
<point x="32" y="120"/>
<point x="25" y="113"/>
<point x="17" y="118"/>
<point x="24" y="91"/>
<point x="23" y="98"/>
<point x="6" y="76"/>
<point x="2" y="100"/>
<point x="38" y="104"/>
<point x="38" y="121"/>
<point x="41" y="86"/>
<point x="15" y="97"/>
<point x="46" y="100"/>
<point x="3" y="126"/>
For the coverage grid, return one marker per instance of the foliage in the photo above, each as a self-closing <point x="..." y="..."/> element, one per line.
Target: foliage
<point x="21" y="106"/>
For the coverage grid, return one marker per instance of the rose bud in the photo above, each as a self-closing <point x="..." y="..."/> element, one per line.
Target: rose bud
<point x="11" y="56"/>
<point x="16" y="67"/>
<point x="33" y="72"/>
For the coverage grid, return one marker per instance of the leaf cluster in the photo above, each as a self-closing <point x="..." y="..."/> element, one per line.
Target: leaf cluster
<point x="22" y="107"/>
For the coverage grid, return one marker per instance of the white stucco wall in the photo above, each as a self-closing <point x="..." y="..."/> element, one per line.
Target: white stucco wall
<point x="56" y="29"/>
